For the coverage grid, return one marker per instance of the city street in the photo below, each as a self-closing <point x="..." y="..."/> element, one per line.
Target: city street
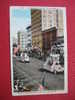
<point x="31" y="75"/>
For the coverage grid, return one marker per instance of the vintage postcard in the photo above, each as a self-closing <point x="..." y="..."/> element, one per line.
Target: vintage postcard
<point x="38" y="46"/>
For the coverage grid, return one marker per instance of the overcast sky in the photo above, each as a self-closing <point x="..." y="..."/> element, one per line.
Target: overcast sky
<point x="20" y="18"/>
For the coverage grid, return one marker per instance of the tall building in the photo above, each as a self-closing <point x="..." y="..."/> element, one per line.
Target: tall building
<point x="48" y="18"/>
<point x="36" y="27"/>
<point x="25" y="39"/>
<point x="52" y="17"/>
<point x="15" y="40"/>
<point x="47" y="27"/>
<point x="29" y="37"/>
<point x="60" y="23"/>
<point x="22" y="40"/>
<point x="18" y="37"/>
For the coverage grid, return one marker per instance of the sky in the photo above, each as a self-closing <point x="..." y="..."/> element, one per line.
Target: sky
<point x="20" y="18"/>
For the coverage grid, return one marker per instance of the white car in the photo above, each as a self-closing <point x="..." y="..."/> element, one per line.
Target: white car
<point x="25" y="57"/>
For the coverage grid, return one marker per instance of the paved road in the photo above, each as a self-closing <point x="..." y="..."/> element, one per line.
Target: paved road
<point x="30" y="74"/>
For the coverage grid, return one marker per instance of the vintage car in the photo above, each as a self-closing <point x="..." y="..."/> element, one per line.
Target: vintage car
<point x="54" y="67"/>
<point x="55" y="61"/>
<point x="25" y="57"/>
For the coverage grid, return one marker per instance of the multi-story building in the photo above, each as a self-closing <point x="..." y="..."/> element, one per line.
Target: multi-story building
<point x="18" y="37"/>
<point x="29" y="37"/>
<point x="52" y="17"/>
<point x="36" y="27"/>
<point x="48" y="18"/>
<point x="22" y="40"/>
<point x="15" y="42"/>
<point x="60" y="24"/>
<point x="25" y="39"/>
<point x="47" y="26"/>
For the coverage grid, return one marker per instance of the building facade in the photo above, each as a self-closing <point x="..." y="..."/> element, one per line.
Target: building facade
<point x="25" y="39"/>
<point x="48" y="18"/>
<point x="47" y="26"/>
<point x="36" y="27"/>
<point x="60" y="24"/>
<point x="22" y="40"/>
<point x="29" y="37"/>
<point x="52" y="17"/>
<point x="15" y="41"/>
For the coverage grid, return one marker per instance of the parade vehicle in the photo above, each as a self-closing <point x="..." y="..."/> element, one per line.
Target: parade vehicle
<point x="54" y="67"/>
<point x="55" y="61"/>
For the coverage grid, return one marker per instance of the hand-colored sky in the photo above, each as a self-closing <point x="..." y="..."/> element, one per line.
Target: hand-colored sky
<point x="20" y="18"/>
